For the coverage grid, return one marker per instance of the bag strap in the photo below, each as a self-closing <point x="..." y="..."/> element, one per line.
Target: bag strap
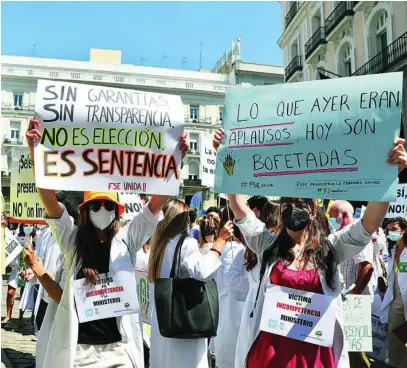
<point x="177" y="256"/>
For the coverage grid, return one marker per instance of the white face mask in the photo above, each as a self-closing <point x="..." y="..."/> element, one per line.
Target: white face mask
<point x="103" y="218"/>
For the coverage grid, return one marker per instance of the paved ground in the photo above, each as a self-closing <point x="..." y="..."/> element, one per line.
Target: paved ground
<point x="17" y="349"/>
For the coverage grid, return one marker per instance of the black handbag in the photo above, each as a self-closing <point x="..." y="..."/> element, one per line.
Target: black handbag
<point x="186" y="308"/>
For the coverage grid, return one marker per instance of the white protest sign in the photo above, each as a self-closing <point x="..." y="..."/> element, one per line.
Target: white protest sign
<point x="132" y="204"/>
<point x="357" y="311"/>
<point x="101" y="138"/>
<point x="208" y="162"/>
<point x="143" y="292"/>
<point x="25" y="205"/>
<point x="13" y="247"/>
<point x="112" y="295"/>
<point x="398" y="208"/>
<point x="299" y="315"/>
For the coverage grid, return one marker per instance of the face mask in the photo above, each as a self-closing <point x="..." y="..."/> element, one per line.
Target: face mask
<point x="295" y="219"/>
<point x="27" y="230"/>
<point x="394" y="235"/>
<point x="334" y="224"/>
<point x="103" y="218"/>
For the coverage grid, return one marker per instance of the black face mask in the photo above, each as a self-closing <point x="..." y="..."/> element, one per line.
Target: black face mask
<point x="295" y="219"/>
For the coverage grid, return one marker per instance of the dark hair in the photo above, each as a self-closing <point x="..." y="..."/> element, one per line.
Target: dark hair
<point x="402" y="222"/>
<point x="207" y="227"/>
<point x="192" y="215"/>
<point x="213" y="209"/>
<point x="257" y="201"/>
<point x="270" y="215"/>
<point x="317" y="249"/>
<point x="21" y="230"/>
<point x="227" y="214"/>
<point x="71" y="201"/>
<point x="87" y="242"/>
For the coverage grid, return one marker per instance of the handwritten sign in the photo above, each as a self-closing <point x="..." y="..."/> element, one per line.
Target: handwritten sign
<point x="25" y="205"/>
<point x="399" y="208"/>
<point x="12" y="246"/>
<point x="299" y="315"/>
<point x="312" y="139"/>
<point x="207" y="162"/>
<point x="132" y="204"/>
<point x="357" y="311"/>
<point x="112" y="295"/>
<point x="379" y="336"/>
<point x="143" y="292"/>
<point x="108" y="139"/>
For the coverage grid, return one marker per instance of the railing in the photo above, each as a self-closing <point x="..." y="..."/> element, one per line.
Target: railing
<point x="291" y="13"/>
<point x="199" y="119"/>
<point x="11" y="106"/>
<point x="294" y="66"/>
<point x="344" y="8"/>
<point x="192" y="182"/>
<point x="328" y="73"/>
<point x="318" y="38"/>
<point x="193" y="151"/>
<point x="385" y="59"/>
<point x="15" y="141"/>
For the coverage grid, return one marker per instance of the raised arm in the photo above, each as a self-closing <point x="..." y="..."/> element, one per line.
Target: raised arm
<point x="375" y="211"/>
<point x="48" y="197"/>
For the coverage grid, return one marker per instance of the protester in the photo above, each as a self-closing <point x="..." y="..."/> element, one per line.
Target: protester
<point x="394" y="306"/>
<point x="94" y="247"/>
<point x="180" y="353"/>
<point x="193" y="227"/>
<point x="143" y="256"/>
<point x="213" y="211"/>
<point x="270" y="216"/>
<point x="304" y="257"/>
<point x="233" y="286"/>
<point x="256" y="204"/>
<point x="207" y="232"/>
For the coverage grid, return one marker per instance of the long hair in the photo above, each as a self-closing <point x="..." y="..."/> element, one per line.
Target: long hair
<point x="87" y="243"/>
<point x="208" y="226"/>
<point x="317" y="250"/>
<point x="226" y="215"/>
<point x="402" y="222"/>
<point x="175" y="222"/>
<point x="270" y="215"/>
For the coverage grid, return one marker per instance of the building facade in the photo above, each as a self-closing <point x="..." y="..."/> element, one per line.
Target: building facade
<point x="202" y="93"/>
<point x="332" y="39"/>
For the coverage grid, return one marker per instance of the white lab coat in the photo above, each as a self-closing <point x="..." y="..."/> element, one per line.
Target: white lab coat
<point x="347" y="242"/>
<point x="182" y="353"/>
<point x="402" y="279"/>
<point x="233" y="286"/>
<point x="243" y="339"/>
<point x="63" y="333"/>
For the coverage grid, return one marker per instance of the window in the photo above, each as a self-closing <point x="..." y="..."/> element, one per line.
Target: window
<point x="193" y="145"/>
<point x="381" y="31"/>
<point x="194" y="112"/>
<point x="345" y="60"/>
<point x="18" y="100"/>
<point x="193" y="171"/>
<point x="221" y="114"/>
<point x="192" y="177"/>
<point x="15" y="127"/>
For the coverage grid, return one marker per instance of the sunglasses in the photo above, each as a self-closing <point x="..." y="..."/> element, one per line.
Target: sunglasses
<point x="95" y="206"/>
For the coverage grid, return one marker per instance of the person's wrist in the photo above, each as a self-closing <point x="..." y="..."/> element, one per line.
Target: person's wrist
<point x="38" y="270"/>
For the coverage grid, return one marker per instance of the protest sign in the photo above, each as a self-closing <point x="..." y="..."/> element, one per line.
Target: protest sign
<point x="311" y="139"/>
<point x="143" y="292"/>
<point x="299" y="315"/>
<point x="13" y="247"/>
<point x="379" y="336"/>
<point x="207" y="162"/>
<point x="112" y="295"/>
<point x="117" y="139"/>
<point x="357" y="311"/>
<point x="398" y="208"/>
<point x="132" y="204"/>
<point x="25" y="204"/>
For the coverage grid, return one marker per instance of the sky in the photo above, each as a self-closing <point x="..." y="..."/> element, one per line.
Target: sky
<point x="161" y="33"/>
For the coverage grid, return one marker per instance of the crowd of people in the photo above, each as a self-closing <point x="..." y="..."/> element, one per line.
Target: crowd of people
<point x="245" y="246"/>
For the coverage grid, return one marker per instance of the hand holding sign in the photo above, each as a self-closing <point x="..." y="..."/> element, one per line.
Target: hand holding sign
<point x="398" y="154"/>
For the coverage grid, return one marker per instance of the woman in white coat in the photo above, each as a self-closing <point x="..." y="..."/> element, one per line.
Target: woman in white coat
<point x="233" y="286"/>
<point x="180" y="353"/>
<point x="394" y="306"/>
<point x="97" y="246"/>
<point x="304" y="257"/>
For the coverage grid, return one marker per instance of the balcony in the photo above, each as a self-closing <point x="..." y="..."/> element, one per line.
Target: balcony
<point x="193" y="152"/>
<point x="7" y="140"/>
<point x="316" y="41"/>
<point x="192" y="182"/>
<point x="291" y="13"/>
<point x="386" y="59"/>
<point x="340" y="16"/>
<point x="22" y="108"/>
<point x="294" y="66"/>
<point x="199" y="120"/>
